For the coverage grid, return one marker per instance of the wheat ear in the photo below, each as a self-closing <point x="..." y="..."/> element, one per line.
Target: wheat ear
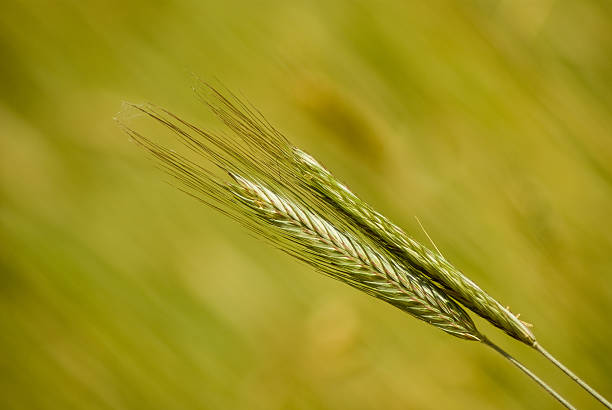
<point x="304" y="234"/>
<point x="432" y="264"/>
<point x="292" y="227"/>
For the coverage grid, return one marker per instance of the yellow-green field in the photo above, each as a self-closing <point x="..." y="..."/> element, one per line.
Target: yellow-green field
<point x="489" y="120"/>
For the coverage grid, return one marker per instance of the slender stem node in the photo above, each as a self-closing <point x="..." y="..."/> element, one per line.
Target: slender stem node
<point x="572" y="376"/>
<point x="529" y="373"/>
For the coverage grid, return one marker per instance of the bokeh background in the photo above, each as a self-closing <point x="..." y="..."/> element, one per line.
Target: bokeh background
<point x="489" y="120"/>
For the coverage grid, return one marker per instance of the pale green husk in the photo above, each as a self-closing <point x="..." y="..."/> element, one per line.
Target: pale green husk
<point x="342" y="257"/>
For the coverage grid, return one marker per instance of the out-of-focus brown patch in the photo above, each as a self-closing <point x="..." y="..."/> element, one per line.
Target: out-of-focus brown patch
<point x="346" y="118"/>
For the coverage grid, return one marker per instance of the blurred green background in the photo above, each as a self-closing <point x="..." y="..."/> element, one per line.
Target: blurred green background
<point x="489" y="120"/>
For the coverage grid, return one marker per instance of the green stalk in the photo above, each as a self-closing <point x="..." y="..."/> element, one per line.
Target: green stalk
<point x="529" y="373"/>
<point x="573" y="376"/>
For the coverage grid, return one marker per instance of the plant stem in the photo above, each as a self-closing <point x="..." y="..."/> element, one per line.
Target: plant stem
<point x="529" y="373"/>
<point x="575" y="378"/>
